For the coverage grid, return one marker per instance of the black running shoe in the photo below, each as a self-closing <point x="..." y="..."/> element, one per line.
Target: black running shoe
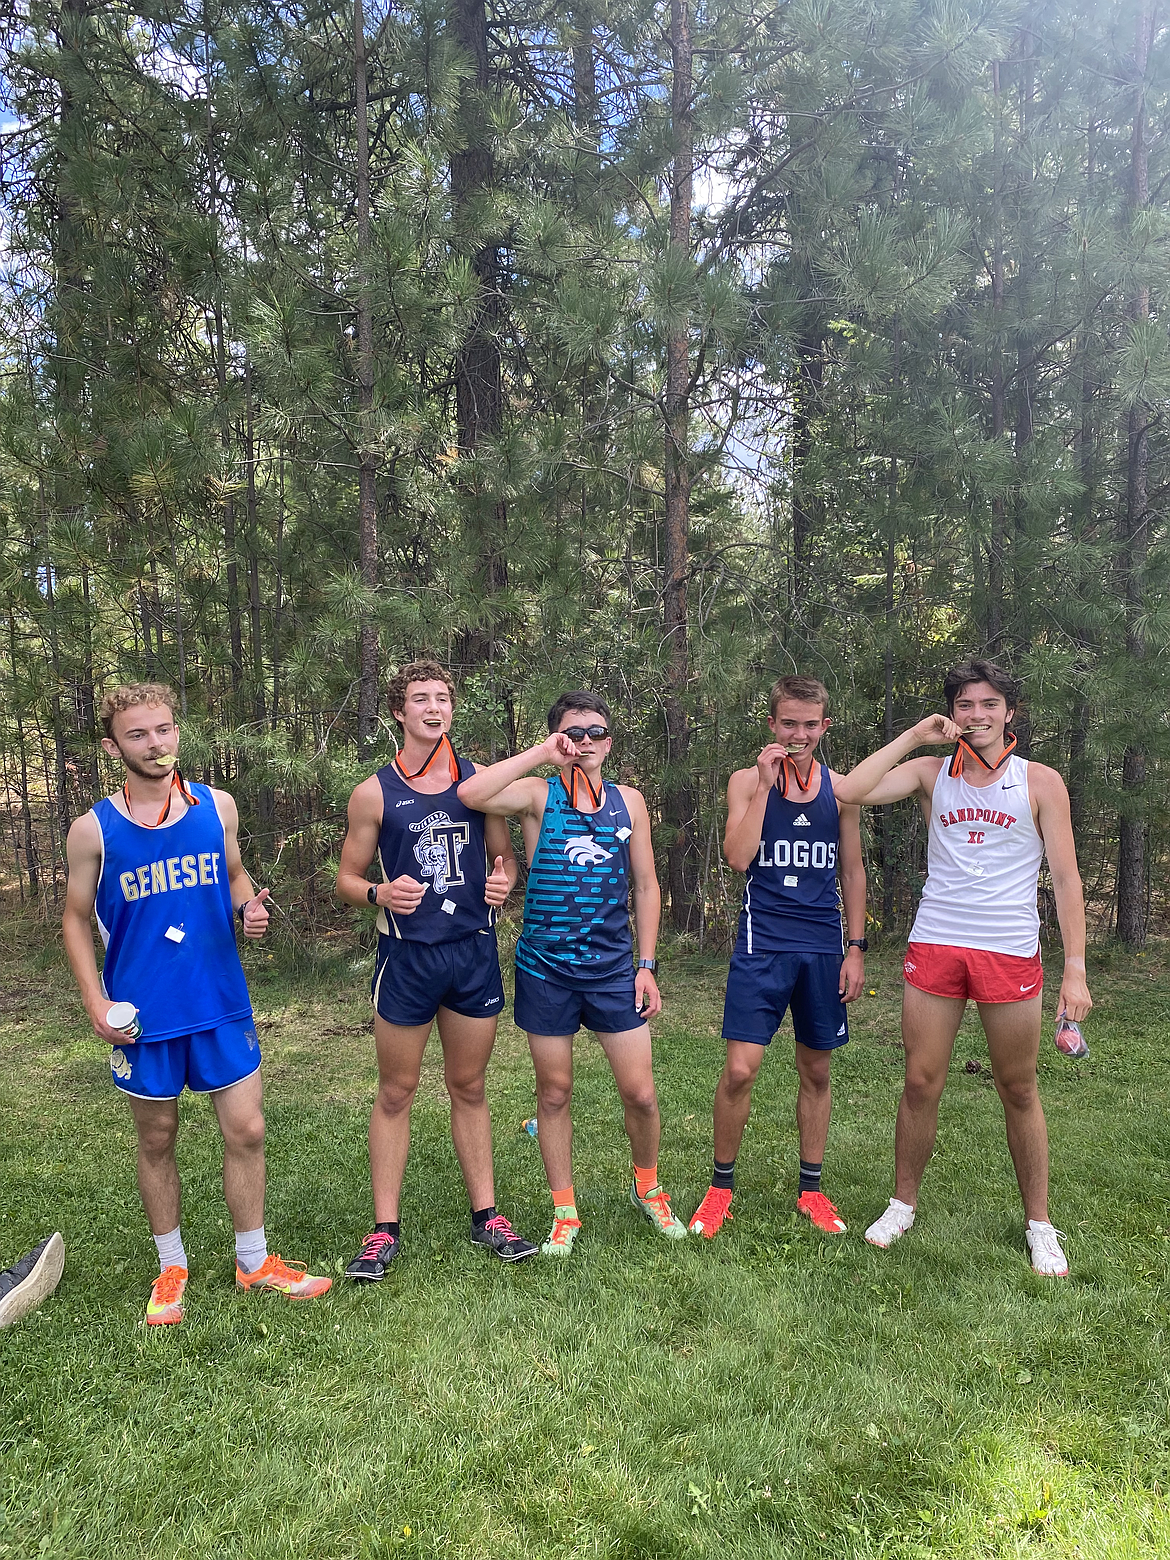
<point x="26" y="1283"/>
<point x="377" y="1253"/>
<point x="499" y="1236"/>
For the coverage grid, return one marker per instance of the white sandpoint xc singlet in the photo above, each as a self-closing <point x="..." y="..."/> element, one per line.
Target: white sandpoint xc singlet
<point x="982" y="863"/>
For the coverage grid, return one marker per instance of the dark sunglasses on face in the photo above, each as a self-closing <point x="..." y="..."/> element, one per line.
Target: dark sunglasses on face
<point x="579" y="733"/>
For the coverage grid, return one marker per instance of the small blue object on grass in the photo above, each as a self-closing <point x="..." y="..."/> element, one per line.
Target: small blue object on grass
<point x="529" y="1126"/>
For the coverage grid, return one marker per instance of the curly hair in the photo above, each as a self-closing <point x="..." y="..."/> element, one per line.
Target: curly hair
<point x="413" y="672"/>
<point x="127" y="696"/>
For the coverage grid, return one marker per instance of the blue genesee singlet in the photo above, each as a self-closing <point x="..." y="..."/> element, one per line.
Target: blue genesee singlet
<point x="790" y="902"/>
<point x="577" y="904"/>
<point x="155" y="879"/>
<point x="439" y="840"/>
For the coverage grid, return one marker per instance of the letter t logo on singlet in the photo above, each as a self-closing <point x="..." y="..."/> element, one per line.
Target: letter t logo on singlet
<point x="439" y="848"/>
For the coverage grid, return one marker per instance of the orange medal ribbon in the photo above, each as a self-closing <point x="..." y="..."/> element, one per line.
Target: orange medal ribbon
<point x="789" y="770"/>
<point x="432" y="757"/>
<point x="573" y="788"/>
<point x="964" y="750"/>
<point x="184" y="792"/>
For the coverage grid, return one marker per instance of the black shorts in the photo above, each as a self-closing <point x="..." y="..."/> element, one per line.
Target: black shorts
<point x="413" y="980"/>
<point x="762" y="987"/>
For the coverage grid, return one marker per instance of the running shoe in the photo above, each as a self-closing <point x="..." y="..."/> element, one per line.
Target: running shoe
<point x="284" y="1278"/>
<point x="1044" y="1244"/>
<point x="817" y="1207"/>
<point x="656" y="1206"/>
<point x="564" y="1233"/>
<point x="712" y="1212"/>
<point x="26" y="1283"/>
<point x="378" y="1251"/>
<point x="892" y="1225"/>
<point x="166" y="1297"/>
<point x="499" y="1236"/>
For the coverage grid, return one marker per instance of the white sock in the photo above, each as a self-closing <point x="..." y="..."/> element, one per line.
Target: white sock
<point x="251" y="1250"/>
<point x="170" y="1249"/>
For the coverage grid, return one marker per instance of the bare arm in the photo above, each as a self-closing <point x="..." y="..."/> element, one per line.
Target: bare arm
<point x="851" y="869"/>
<point x="255" y="917"/>
<point x="84" y="851"/>
<point x="876" y="779"/>
<point x="404" y="894"/>
<point x="647" y="901"/>
<point x="502" y="877"/>
<point x="1055" y="825"/>
<point x="501" y="790"/>
<point x="747" y="799"/>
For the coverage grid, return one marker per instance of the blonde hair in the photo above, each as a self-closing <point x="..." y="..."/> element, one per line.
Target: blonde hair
<point x="805" y="690"/>
<point x="127" y="696"/>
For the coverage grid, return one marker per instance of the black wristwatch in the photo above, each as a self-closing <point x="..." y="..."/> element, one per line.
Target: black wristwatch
<point x="859" y="942"/>
<point x="648" y="964"/>
<point x="372" y="894"/>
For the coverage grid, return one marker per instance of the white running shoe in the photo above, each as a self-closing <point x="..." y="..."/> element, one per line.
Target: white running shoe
<point x="892" y="1225"/>
<point x="1044" y="1244"/>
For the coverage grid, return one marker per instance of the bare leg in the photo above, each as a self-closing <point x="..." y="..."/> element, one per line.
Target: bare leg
<point x="733" y="1096"/>
<point x="157" y="1122"/>
<point x="629" y="1056"/>
<point x="814" y="1101"/>
<point x="1013" y="1043"/>
<point x="552" y="1057"/>
<point x="241" y="1120"/>
<point x="400" y="1051"/>
<point x="929" y="1027"/>
<point x="467" y="1047"/>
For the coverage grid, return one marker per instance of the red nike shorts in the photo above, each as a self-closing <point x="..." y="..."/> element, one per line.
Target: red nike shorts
<point x="944" y="971"/>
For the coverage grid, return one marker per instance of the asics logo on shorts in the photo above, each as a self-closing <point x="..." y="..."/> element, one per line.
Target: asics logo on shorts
<point x="584" y="851"/>
<point x="439" y="848"/>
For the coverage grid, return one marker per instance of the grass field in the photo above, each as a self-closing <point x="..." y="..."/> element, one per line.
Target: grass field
<point x="774" y="1392"/>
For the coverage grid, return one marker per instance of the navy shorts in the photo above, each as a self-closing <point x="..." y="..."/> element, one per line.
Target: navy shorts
<point x="762" y="987"/>
<point x="204" y="1062"/>
<point x="545" y="1007"/>
<point x="413" y="980"/>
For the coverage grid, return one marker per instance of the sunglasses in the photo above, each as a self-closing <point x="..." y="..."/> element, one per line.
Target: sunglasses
<point x="579" y="733"/>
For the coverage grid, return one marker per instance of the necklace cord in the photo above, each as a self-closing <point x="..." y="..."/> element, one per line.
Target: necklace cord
<point x="964" y="750"/>
<point x="432" y="756"/>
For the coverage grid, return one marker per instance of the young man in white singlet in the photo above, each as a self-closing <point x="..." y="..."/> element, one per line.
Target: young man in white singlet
<point x="992" y="817"/>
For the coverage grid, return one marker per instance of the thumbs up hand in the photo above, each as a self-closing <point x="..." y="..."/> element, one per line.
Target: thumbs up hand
<point x="498" y="886"/>
<point x="255" y="915"/>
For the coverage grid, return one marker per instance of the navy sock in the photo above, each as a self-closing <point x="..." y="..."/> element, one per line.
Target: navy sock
<point x="724" y="1176"/>
<point x="480" y="1216"/>
<point x="810" y="1176"/>
<point x="387" y="1227"/>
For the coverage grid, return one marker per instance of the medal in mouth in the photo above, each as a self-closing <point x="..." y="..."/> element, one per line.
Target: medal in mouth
<point x="167" y="760"/>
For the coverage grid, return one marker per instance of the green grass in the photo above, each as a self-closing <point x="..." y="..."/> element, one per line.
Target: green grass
<point x="774" y="1392"/>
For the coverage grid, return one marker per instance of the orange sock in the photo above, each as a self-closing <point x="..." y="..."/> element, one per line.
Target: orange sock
<point x="565" y="1199"/>
<point x="645" y="1180"/>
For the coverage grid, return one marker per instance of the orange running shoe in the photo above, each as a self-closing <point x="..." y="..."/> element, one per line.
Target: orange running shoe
<point x="166" y="1297"/>
<point x="285" y="1278"/>
<point x="817" y="1207"/>
<point x="712" y="1211"/>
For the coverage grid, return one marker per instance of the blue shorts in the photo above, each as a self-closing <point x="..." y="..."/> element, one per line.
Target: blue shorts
<point x="413" y="980"/>
<point x="204" y="1062"/>
<point x="544" y="1007"/>
<point x="762" y="987"/>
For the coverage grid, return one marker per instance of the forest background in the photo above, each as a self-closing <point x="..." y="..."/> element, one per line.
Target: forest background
<point x="656" y="348"/>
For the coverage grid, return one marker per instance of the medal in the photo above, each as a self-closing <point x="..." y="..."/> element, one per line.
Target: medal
<point x="176" y="781"/>
<point x="964" y="750"/>
<point x="432" y="758"/>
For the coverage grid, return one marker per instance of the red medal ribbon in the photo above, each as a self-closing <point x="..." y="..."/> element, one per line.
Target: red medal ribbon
<point x="572" y="787"/>
<point x="184" y="792"/>
<point x="452" y="761"/>
<point x="964" y="750"/>
<point x="789" y="770"/>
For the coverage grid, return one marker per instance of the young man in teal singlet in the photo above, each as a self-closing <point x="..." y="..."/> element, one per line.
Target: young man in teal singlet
<point x="587" y="840"/>
<point x="159" y="865"/>
<point x="786" y="831"/>
<point x="437" y="958"/>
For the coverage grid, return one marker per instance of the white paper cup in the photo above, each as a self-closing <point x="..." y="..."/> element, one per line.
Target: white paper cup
<point x="124" y="1016"/>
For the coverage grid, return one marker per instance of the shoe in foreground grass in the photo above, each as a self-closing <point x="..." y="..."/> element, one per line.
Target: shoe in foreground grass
<point x="713" y="1212"/>
<point x="284" y="1278"/>
<point x="560" y="1240"/>
<point x="499" y="1237"/>
<point x="378" y="1251"/>
<point x="817" y="1207"/>
<point x="165" y="1306"/>
<point x="26" y="1283"/>
<point x="892" y="1224"/>
<point x="656" y="1207"/>
<point x="1043" y="1240"/>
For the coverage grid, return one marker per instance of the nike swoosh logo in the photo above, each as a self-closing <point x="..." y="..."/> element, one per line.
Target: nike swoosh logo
<point x="1032" y="987"/>
<point x="1015" y="786"/>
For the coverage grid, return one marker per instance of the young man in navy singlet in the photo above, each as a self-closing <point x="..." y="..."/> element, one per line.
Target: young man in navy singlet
<point x="587" y="839"/>
<point x="991" y="819"/>
<point x="786" y="830"/>
<point x="158" y="864"/>
<point x="437" y="955"/>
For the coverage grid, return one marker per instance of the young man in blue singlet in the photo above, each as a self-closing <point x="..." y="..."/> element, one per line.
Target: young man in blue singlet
<point x="437" y="957"/>
<point x="158" y="864"/>
<point x="587" y="841"/>
<point x="786" y="830"/>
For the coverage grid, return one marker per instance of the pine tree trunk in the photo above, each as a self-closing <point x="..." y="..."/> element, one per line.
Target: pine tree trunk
<point x="995" y="552"/>
<point x="367" y="470"/>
